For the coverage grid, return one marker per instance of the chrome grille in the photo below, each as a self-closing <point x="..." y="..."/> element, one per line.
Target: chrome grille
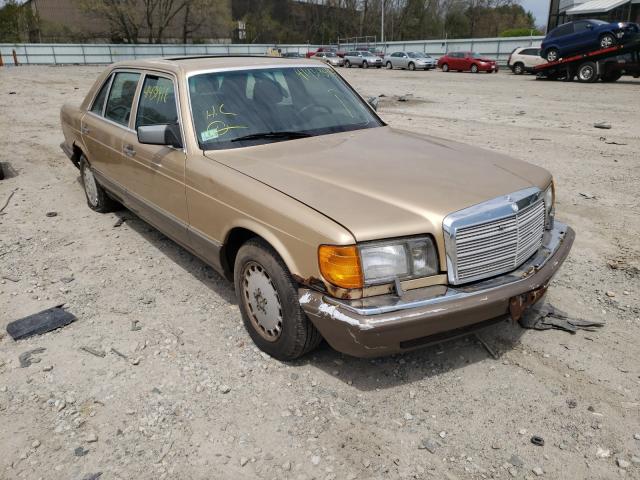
<point x="490" y="246"/>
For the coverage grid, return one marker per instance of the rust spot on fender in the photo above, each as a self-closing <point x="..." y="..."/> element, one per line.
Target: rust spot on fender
<point x="518" y="304"/>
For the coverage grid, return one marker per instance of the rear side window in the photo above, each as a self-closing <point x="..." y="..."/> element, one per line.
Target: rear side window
<point x="98" y="103"/>
<point x="121" y="96"/>
<point x="157" y="105"/>
<point x="581" y="26"/>
<point x="562" y="30"/>
<point x="530" y="51"/>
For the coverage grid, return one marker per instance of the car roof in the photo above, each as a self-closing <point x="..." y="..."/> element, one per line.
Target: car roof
<point x="186" y="65"/>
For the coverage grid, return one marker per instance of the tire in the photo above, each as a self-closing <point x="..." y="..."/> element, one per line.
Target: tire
<point x="389" y="66"/>
<point x="474" y="68"/>
<point x="611" y="77"/>
<point x="445" y="67"/>
<point x="608" y="40"/>
<point x="552" y="54"/>
<point x="258" y="266"/>
<point x="97" y="198"/>
<point x="365" y="64"/>
<point x="347" y="64"/>
<point x="588" y="72"/>
<point x="518" y="68"/>
<point x="412" y="66"/>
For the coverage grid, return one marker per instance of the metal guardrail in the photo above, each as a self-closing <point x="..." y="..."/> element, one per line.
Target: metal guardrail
<point x="102" y="54"/>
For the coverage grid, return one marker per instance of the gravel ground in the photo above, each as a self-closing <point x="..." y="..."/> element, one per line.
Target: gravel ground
<point x="180" y="391"/>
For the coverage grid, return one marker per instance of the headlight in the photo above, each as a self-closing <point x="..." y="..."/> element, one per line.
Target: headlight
<point x="403" y="259"/>
<point x="549" y="206"/>
<point x="373" y="263"/>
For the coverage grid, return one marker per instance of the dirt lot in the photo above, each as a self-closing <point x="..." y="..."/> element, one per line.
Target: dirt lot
<point x="194" y="399"/>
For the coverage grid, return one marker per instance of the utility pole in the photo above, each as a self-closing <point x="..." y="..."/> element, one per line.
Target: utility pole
<point x="382" y="22"/>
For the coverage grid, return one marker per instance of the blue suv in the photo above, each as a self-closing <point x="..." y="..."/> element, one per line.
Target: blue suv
<point x="584" y="35"/>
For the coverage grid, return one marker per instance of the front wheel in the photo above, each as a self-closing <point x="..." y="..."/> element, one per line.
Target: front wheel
<point x="365" y="64"/>
<point x="474" y="68"/>
<point x="347" y="64"/>
<point x="607" y="40"/>
<point x="268" y="300"/>
<point x="445" y="67"/>
<point x="412" y="66"/>
<point x="389" y="66"/>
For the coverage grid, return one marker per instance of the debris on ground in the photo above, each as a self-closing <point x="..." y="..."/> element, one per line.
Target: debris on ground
<point x="26" y="358"/>
<point x="537" y="440"/>
<point x="7" y="201"/>
<point x="588" y="196"/>
<point x="93" y="351"/>
<point x="41" y="322"/>
<point x="51" y="214"/>
<point x="119" y="222"/>
<point x="487" y="347"/>
<point x="602" y="125"/>
<point x="546" y="317"/>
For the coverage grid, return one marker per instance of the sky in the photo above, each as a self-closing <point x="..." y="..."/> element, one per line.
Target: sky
<point x="540" y="9"/>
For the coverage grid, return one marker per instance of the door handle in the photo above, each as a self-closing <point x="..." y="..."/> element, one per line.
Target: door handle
<point x="84" y="130"/>
<point x="129" y="150"/>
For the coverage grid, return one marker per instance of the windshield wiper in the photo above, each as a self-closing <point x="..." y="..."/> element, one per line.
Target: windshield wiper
<point x="272" y="135"/>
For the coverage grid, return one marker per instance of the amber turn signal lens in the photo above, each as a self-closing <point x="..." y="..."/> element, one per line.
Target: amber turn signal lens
<point x="340" y="265"/>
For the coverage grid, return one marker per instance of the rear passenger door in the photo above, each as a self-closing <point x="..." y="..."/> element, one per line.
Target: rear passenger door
<point x="583" y="36"/>
<point x="155" y="183"/>
<point x="105" y="124"/>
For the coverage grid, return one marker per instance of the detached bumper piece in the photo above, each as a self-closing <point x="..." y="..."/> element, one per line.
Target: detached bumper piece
<point x="388" y="324"/>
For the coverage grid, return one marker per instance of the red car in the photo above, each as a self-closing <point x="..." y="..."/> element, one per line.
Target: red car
<point x="328" y="50"/>
<point x="467" y="62"/>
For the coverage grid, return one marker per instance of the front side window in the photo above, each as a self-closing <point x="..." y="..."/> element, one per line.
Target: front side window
<point x="157" y="105"/>
<point x="123" y="89"/>
<point x="98" y="103"/>
<point x="243" y="108"/>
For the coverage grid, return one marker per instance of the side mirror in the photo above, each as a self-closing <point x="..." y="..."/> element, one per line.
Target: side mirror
<point x="589" y="26"/>
<point x="160" y="135"/>
<point x="373" y="101"/>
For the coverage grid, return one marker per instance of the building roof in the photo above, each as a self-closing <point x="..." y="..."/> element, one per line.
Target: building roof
<point x="194" y="64"/>
<point x="596" y="6"/>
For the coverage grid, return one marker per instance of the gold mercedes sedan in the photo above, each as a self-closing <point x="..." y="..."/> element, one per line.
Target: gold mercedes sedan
<point x="330" y="223"/>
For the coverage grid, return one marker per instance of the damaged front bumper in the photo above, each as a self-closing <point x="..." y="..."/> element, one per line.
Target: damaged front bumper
<point x="387" y="324"/>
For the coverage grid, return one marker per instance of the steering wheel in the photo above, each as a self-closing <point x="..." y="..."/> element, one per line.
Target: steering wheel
<point x="314" y="105"/>
<point x="125" y="110"/>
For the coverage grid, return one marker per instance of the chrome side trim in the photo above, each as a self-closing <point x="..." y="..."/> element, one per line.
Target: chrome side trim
<point x="432" y="296"/>
<point x="491" y="210"/>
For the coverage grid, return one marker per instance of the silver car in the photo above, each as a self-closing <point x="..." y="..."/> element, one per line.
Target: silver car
<point x="329" y="57"/>
<point x="410" y="60"/>
<point x="362" y="59"/>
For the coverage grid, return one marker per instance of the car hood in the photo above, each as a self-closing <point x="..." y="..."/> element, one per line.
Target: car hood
<point x="382" y="182"/>
<point x="485" y="59"/>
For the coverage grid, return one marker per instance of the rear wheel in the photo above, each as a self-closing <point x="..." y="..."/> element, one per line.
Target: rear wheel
<point x="445" y="67"/>
<point x="268" y="300"/>
<point x="552" y="55"/>
<point x="97" y="197"/>
<point x="474" y="68"/>
<point x="412" y="66"/>
<point x="588" y="72"/>
<point x="607" y="40"/>
<point x="518" y="68"/>
<point x="347" y="64"/>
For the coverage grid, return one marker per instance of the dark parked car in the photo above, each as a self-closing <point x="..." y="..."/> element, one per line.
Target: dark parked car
<point x="467" y="62"/>
<point x="583" y="35"/>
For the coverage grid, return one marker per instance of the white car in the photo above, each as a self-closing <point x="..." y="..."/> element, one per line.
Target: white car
<point x="523" y="59"/>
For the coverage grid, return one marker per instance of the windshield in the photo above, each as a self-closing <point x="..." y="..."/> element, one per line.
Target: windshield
<point x="474" y="55"/>
<point x="331" y="54"/>
<point x="598" y="22"/>
<point x="228" y="106"/>
<point x="418" y="55"/>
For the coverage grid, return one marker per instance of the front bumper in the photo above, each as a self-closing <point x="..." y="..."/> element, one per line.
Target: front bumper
<point x="388" y="324"/>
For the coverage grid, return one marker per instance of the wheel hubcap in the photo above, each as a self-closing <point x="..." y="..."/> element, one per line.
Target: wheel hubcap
<point x="606" y="42"/>
<point x="586" y="73"/>
<point x="262" y="301"/>
<point x="90" y="186"/>
<point x="552" y="56"/>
